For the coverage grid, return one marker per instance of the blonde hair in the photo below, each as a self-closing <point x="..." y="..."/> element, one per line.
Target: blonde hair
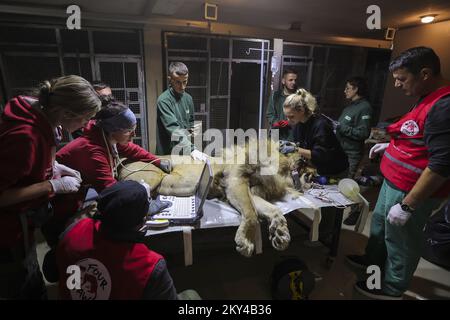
<point x="70" y="94"/>
<point x="301" y="98"/>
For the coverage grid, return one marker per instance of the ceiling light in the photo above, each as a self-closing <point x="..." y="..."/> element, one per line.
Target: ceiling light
<point x="428" y="18"/>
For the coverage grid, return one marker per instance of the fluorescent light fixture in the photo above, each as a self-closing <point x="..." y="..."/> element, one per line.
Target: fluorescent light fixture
<point x="428" y="18"/>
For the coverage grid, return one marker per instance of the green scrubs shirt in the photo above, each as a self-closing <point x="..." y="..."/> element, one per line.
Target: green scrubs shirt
<point x="175" y="114"/>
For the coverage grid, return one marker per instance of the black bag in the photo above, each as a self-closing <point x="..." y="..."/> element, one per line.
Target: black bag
<point x="291" y="280"/>
<point x="437" y="238"/>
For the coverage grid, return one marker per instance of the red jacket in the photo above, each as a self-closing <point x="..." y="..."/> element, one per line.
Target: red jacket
<point x="407" y="155"/>
<point x="27" y="150"/>
<point x="109" y="269"/>
<point x="89" y="155"/>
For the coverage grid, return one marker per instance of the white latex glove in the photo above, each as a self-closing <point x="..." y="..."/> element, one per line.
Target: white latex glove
<point x="65" y="184"/>
<point x="397" y="216"/>
<point x="378" y="148"/>
<point x="60" y="170"/>
<point x="197" y="129"/>
<point x="197" y="155"/>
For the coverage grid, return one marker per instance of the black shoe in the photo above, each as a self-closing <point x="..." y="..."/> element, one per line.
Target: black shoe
<point x="352" y="218"/>
<point x="378" y="294"/>
<point x="358" y="261"/>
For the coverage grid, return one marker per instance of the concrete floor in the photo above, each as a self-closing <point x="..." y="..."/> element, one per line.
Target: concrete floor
<point x="219" y="272"/>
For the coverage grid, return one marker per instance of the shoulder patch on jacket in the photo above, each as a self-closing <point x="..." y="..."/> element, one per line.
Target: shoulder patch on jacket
<point x="348" y="118"/>
<point x="365" y="117"/>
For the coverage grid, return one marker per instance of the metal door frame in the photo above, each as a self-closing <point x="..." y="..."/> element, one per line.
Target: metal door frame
<point x="308" y="60"/>
<point x="98" y="58"/>
<point x="263" y="60"/>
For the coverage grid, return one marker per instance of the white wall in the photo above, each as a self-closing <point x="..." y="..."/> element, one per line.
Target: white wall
<point x="436" y="36"/>
<point x="153" y="78"/>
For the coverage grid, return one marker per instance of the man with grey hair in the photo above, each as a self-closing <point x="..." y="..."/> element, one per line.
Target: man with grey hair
<point x="175" y="114"/>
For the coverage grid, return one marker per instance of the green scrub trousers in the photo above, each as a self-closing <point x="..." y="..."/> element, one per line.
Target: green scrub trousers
<point x="397" y="249"/>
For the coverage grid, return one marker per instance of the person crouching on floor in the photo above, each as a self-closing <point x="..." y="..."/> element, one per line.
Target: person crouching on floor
<point x="114" y="262"/>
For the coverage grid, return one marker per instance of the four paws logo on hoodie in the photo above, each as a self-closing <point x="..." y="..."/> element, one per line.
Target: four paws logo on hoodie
<point x="410" y="128"/>
<point x="95" y="281"/>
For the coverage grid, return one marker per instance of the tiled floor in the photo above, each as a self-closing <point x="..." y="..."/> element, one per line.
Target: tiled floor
<point x="224" y="274"/>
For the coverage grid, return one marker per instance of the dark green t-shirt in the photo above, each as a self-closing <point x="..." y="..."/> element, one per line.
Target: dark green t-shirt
<point x="175" y="114"/>
<point x="354" y="126"/>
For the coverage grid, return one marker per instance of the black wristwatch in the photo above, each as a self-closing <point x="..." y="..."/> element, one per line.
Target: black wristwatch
<point x="406" y="208"/>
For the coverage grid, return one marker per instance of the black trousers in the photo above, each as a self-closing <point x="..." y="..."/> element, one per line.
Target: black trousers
<point x="20" y="277"/>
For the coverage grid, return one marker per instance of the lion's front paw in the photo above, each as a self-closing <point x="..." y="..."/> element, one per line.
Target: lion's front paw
<point x="279" y="233"/>
<point x="277" y="221"/>
<point x="244" y="238"/>
<point x="244" y="247"/>
<point x="281" y="239"/>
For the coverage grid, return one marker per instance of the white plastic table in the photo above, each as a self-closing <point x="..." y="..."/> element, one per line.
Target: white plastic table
<point x="217" y="214"/>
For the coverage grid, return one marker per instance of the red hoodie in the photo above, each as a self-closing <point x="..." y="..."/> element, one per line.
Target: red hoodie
<point x="89" y="155"/>
<point x="27" y="149"/>
<point x="110" y="269"/>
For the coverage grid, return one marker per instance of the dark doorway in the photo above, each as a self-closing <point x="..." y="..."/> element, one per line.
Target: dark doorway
<point x="377" y="67"/>
<point x="244" y="106"/>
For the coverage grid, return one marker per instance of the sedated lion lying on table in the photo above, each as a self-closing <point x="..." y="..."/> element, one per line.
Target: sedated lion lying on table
<point x="241" y="185"/>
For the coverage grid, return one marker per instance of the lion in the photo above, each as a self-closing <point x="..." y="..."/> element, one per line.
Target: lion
<point x="243" y="185"/>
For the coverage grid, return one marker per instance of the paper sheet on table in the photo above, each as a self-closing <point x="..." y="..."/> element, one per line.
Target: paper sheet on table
<point x="217" y="213"/>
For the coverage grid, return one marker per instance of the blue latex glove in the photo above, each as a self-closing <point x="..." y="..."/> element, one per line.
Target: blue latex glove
<point x="397" y="216"/>
<point x="287" y="149"/>
<point x="166" y="165"/>
<point x="335" y="125"/>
